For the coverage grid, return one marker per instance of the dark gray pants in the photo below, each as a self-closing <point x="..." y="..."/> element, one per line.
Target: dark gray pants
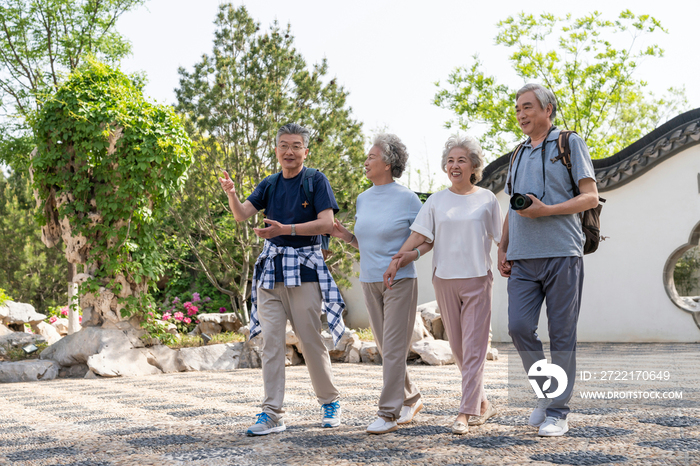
<point x="560" y="281"/>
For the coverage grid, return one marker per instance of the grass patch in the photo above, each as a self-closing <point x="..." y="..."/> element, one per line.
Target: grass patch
<point x="12" y="354"/>
<point x="189" y="341"/>
<point x="364" y="334"/>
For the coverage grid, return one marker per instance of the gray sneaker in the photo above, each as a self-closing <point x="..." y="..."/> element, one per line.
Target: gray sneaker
<point x="540" y="412"/>
<point x="265" y="425"/>
<point x="553" y="427"/>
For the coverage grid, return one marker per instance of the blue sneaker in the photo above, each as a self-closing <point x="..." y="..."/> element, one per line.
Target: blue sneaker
<point x="265" y="425"/>
<point x="331" y="414"/>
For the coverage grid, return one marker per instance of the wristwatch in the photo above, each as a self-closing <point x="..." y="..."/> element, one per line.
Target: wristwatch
<point x="294" y="230"/>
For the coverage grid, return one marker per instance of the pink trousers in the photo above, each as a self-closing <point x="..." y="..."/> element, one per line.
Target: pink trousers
<point x="465" y="308"/>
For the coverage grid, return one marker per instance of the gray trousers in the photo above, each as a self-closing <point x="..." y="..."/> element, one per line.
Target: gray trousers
<point x="392" y="315"/>
<point x="559" y="280"/>
<point x="302" y="306"/>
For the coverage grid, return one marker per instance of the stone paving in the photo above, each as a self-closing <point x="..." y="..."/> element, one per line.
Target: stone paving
<point x="199" y="418"/>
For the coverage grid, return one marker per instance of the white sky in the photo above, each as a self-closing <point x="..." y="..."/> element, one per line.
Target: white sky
<point x="389" y="54"/>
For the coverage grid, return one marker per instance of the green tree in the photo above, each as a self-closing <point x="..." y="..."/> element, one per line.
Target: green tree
<point x="235" y="99"/>
<point x="41" y="41"/>
<point x="29" y="271"/>
<point x="589" y="63"/>
<point x="686" y="275"/>
<point x="106" y="167"/>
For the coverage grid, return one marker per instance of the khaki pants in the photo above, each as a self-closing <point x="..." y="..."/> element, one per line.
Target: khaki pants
<point x="392" y="314"/>
<point x="302" y="306"/>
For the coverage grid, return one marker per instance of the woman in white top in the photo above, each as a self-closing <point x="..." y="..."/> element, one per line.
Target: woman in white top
<point x="385" y="213"/>
<point x="462" y="222"/>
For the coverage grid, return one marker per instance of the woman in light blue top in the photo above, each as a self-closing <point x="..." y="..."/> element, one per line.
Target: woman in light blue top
<point x="385" y="213"/>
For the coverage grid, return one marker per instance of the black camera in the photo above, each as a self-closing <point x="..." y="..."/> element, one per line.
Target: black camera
<point x="520" y="201"/>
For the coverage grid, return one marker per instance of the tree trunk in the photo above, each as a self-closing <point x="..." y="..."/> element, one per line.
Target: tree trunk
<point x="73" y="306"/>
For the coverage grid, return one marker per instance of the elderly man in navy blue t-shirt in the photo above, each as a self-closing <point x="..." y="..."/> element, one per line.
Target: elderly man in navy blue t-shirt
<point x="291" y="280"/>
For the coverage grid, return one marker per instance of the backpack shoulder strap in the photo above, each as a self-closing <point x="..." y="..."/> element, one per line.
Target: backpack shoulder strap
<point x="510" y="167"/>
<point x="270" y="190"/>
<point x="564" y="150"/>
<point x="308" y="185"/>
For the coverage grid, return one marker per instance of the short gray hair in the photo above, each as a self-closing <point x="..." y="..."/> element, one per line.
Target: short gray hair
<point x="293" y="128"/>
<point x="544" y="95"/>
<point x="474" y="152"/>
<point x="393" y="152"/>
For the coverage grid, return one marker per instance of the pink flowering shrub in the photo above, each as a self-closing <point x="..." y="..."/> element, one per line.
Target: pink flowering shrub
<point x="183" y="310"/>
<point x="53" y="313"/>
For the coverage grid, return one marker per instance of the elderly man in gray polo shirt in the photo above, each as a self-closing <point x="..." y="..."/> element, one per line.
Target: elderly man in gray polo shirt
<point x="541" y="251"/>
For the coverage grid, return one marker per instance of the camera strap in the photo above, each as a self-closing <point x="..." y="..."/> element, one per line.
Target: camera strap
<point x="544" y="179"/>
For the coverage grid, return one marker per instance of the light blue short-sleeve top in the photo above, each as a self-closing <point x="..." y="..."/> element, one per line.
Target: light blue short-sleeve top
<point x="382" y="224"/>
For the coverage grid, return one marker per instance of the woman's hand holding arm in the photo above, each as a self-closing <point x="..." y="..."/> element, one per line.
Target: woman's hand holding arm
<point x="405" y="255"/>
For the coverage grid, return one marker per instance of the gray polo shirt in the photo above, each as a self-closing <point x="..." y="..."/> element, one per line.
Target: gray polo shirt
<point x="557" y="235"/>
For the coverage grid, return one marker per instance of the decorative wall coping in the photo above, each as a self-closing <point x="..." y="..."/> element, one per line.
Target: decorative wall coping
<point x="633" y="161"/>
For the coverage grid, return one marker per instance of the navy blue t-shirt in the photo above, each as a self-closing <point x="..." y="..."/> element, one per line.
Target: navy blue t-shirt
<point x="287" y="207"/>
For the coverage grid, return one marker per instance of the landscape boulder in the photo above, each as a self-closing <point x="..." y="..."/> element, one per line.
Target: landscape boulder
<point x="292" y="357"/>
<point x="217" y="323"/>
<point x="221" y="357"/>
<point x="432" y="319"/>
<point x="29" y="370"/>
<point x="15" y="315"/>
<point x="130" y="363"/>
<point x="434" y="352"/>
<point x="61" y="326"/>
<point x="78" y="347"/>
<point x="164" y="358"/>
<point x="370" y="353"/>
<point x="47" y="331"/>
<point x="20" y="339"/>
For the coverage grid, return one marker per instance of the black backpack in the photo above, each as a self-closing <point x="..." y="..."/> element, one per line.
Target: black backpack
<point x="590" y="219"/>
<point x="308" y="184"/>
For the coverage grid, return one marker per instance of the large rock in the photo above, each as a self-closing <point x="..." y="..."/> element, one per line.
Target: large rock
<point x="47" y="331"/>
<point x="340" y="352"/>
<point x="4" y="330"/>
<point x="419" y="330"/>
<point x="434" y="352"/>
<point x="432" y="319"/>
<point x="252" y="353"/>
<point x="292" y="357"/>
<point x="28" y="371"/>
<point x="78" y="371"/>
<point x="15" y="315"/>
<point x="228" y="322"/>
<point x="61" y="326"/>
<point x="19" y="339"/>
<point x="223" y="357"/>
<point x="130" y="363"/>
<point x="291" y="337"/>
<point x="78" y="347"/>
<point x="353" y="354"/>
<point x="164" y="358"/>
<point x="370" y="353"/>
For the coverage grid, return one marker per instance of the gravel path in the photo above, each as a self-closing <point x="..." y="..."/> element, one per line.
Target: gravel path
<point x="199" y="418"/>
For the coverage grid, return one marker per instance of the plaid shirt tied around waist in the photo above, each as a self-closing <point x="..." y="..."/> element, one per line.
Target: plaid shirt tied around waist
<point x="309" y="256"/>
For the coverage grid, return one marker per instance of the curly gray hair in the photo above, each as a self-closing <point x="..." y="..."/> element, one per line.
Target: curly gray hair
<point x="544" y="95"/>
<point x="393" y="152"/>
<point x="471" y="145"/>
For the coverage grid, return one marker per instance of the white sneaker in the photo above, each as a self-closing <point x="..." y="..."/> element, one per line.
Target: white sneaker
<point x="408" y="412"/>
<point x="380" y="426"/>
<point x="553" y="427"/>
<point x="540" y="412"/>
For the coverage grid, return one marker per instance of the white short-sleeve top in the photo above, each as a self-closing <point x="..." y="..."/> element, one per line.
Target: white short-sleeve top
<point x="462" y="226"/>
